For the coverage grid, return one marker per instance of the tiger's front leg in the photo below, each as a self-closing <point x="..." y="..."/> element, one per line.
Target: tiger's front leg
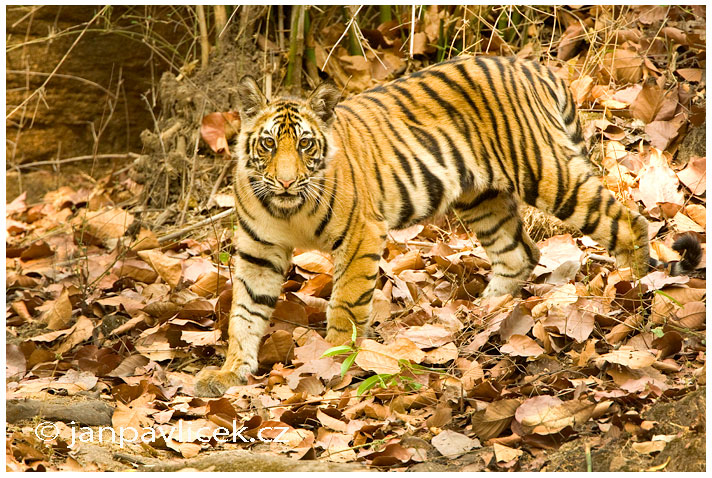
<point x="355" y="273"/>
<point x="258" y="274"/>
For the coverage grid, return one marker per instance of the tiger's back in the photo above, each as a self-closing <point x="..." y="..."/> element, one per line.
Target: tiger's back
<point x="467" y="125"/>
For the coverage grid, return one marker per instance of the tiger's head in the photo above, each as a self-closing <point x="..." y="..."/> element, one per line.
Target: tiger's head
<point x="285" y="144"/>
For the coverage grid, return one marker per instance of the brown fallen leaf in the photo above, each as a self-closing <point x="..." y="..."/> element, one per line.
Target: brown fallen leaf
<point x="555" y="251"/>
<point x="427" y="336"/>
<point x="452" y="444"/>
<point x="662" y="133"/>
<point x="57" y="314"/>
<point x="692" y="315"/>
<point x="522" y="346"/>
<point x="217" y="129"/>
<point x="697" y="213"/>
<point x="634" y="359"/>
<point x="136" y="269"/>
<point x="278" y="347"/>
<point x="648" y="447"/>
<point x="581" y="89"/>
<point x="658" y="184"/>
<point x="382" y="358"/>
<point x="169" y="268"/>
<point x="506" y="454"/>
<point x="493" y="420"/>
<point x="315" y="262"/>
<point x="409" y="260"/>
<point x="134" y="415"/>
<point x="82" y="330"/>
<point x="648" y="102"/>
<point x="545" y="414"/>
<point x="210" y="283"/>
<point x="694" y="175"/>
<point x="693" y="75"/>
<point x="670" y="299"/>
<point x="36" y="250"/>
<point x="441" y="355"/>
<point x="104" y="224"/>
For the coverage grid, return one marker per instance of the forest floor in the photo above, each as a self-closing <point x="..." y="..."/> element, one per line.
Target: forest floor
<point x="109" y="319"/>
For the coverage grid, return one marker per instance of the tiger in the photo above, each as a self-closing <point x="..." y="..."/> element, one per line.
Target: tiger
<point x="477" y="135"/>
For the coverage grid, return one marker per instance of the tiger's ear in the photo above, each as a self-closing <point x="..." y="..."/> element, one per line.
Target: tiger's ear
<point x="252" y="101"/>
<point x="323" y="100"/>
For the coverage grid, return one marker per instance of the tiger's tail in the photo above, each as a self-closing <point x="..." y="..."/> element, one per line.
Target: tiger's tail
<point x="690" y="252"/>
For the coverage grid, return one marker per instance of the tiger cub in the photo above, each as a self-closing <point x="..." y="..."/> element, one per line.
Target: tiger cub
<point x="475" y="135"/>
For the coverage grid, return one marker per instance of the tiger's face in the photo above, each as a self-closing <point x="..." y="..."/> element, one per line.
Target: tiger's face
<point x="284" y="145"/>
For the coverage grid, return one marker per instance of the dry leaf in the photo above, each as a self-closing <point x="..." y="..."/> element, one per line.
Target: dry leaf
<point x="453" y="444"/>
<point x="545" y="414"/>
<point x="169" y="268"/>
<point x="315" y="262"/>
<point x="694" y="175"/>
<point x="506" y="454"/>
<point x="105" y="224"/>
<point x="522" y="346"/>
<point x="217" y="129"/>
<point x="493" y="420"/>
<point x="658" y="183"/>
<point x="57" y="313"/>
<point x="381" y="358"/>
<point x="634" y="359"/>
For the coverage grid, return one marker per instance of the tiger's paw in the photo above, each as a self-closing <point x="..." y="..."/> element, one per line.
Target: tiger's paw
<point x="334" y="337"/>
<point x="500" y="286"/>
<point x="213" y="383"/>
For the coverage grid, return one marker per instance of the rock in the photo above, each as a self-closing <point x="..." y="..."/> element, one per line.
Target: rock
<point x="82" y="412"/>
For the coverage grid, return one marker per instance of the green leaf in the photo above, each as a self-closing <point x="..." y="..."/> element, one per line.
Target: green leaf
<point x="347" y="363"/>
<point x="224" y="257"/>
<point x="671" y="299"/>
<point x="338" y="350"/>
<point x="354" y="332"/>
<point x="372" y="381"/>
<point x="658" y="332"/>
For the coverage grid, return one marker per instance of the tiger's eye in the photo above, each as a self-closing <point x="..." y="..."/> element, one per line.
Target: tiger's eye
<point x="305" y="143"/>
<point x="267" y="142"/>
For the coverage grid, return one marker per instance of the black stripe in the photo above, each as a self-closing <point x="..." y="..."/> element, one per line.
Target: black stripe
<point x="348" y="311"/>
<point x="614" y="233"/>
<point x="252" y="312"/>
<point x="342" y="236"/>
<point x="406" y="212"/>
<point x="253" y="235"/>
<point x="480" y="198"/>
<point x="260" y="299"/>
<point x="260" y="262"/>
<point x="364" y="299"/>
<point x="488" y="232"/>
<point x="593" y="207"/>
<point x="343" y="267"/>
<point x="329" y="210"/>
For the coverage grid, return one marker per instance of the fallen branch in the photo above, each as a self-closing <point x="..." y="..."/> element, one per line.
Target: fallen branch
<point x="75" y="159"/>
<point x="204" y="222"/>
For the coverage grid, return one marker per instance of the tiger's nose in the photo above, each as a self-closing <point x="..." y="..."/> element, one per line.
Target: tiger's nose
<point x="286" y="182"/>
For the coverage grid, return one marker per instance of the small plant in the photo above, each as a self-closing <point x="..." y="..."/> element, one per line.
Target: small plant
<point x="351" y="349"/>
<point x="383" y="379"/>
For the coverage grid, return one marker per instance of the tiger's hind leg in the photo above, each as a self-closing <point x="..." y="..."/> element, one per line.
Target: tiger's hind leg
<point x="494" y="218"/>
<point x="593" y="209"/>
